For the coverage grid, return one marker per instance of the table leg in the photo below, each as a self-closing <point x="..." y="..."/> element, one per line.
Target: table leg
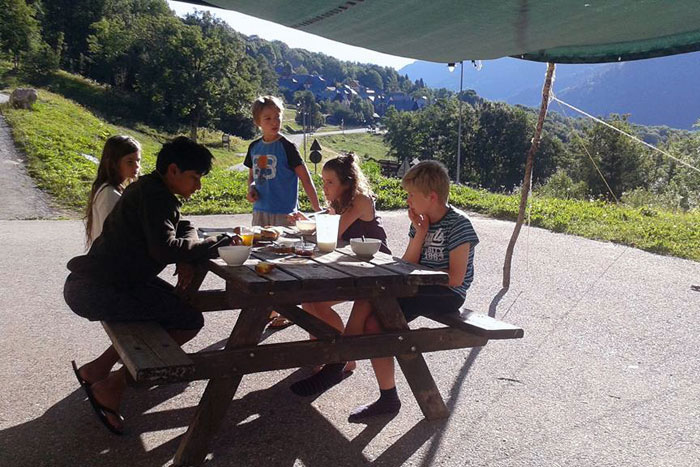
<point x="220" y="391"/>
<point x="413" y="365"/>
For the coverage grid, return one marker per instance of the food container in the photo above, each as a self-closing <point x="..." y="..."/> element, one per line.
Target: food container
<point x="304" y="249"/>
<point x="365" y="246"/>
<point x="306" y="227"/>
<point x="234" y="255"/>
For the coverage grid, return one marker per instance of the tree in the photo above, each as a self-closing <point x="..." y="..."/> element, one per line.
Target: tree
<point x="623" y="163"/>
<point x="371" y="79"/>
<point x="19" y="30"/>
<point x="308" y="111"/>
<point x="197" y="72"/>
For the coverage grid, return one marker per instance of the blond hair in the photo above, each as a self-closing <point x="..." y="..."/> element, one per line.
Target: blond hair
<point x="428" y="176"/>
<point x="265" y="101"/>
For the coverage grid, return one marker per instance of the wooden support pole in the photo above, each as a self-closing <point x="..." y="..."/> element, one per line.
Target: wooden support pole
<point x="549" y="78"/>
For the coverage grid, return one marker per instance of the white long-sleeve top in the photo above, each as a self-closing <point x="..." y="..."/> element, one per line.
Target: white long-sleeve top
<point x="105" y="199"/>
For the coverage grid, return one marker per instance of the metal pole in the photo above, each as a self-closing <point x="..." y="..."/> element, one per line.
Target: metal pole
<point x="459" y="130"/>
<point x="303" y="124"/>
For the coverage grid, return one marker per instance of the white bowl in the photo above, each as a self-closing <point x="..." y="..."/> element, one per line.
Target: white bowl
<point x="365" y="247"/>
<point x="288" y="242"/>
<point x="306" y="227"/>
<point x="234" y="255"/>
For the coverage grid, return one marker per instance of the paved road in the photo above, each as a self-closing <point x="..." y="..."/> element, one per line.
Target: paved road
<point x="20" y="197"/>
<point x="298" y="139"/>
<point x="605" y="376"/>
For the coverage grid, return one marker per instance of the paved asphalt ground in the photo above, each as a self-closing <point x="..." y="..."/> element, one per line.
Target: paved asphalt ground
<point x="606" y="375"/>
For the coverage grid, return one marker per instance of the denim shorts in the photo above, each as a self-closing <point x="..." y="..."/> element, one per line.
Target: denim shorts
<point x="430" y="299"/>
<point x="153" y="301"/>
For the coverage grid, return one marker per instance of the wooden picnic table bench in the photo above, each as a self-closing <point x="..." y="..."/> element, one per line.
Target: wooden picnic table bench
<point x="151" y="356"/>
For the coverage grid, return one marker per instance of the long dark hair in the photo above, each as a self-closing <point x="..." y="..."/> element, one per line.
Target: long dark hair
<point x="115" y="148"/>
<point x="349" y="174"/>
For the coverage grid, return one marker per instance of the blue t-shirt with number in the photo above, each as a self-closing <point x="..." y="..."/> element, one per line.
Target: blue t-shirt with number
<point x="453" y="230"/>
<point x="275" y="180"/>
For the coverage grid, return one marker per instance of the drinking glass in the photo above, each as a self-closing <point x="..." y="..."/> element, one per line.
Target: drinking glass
<point x="327" y="231"/>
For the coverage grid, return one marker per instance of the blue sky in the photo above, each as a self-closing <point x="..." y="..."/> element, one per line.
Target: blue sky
<point x="250" y="25"/>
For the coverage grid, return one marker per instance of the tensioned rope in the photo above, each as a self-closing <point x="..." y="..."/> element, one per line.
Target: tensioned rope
<point x="602" y="122"/>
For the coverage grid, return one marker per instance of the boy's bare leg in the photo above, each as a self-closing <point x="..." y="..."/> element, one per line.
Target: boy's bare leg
<point x="108" y="391"/>
<point x="388" y="402"/>
<point x="100" y="367"/>
<point x="383" y="367"/>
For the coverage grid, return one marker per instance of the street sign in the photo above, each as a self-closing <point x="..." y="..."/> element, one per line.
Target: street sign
<point x="315" y="147"/>
<point x="315" y="157"/>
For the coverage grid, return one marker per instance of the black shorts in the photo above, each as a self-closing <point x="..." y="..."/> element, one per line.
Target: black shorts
<point x="154" y="301"/>
<point x="430" y="299"/>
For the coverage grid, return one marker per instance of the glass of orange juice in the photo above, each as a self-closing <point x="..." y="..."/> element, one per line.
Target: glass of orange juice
<point x="247" y="236"/>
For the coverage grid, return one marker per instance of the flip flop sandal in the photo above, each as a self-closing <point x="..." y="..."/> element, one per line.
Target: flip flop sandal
<point x="279" y="322"/>
<point x="102" y="412"/>
<point x="80" y="379"/>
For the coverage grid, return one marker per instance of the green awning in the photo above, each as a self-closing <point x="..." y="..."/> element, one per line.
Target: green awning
<point x="562" y="31"/>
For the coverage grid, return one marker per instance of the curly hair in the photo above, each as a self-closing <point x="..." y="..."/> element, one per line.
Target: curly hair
<point x="349" y="174"/>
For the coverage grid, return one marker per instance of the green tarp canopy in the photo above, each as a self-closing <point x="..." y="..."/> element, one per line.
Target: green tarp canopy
<point x="561" y="31"/>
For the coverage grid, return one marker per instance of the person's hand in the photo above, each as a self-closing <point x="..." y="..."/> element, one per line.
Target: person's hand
<point x="252" y="195"/>
<point x="419" y="221"/>
<point x="184" y="273"/>
<point x="227" y="239"/>
<point x="331" y="210"/>
<point x="295" y="216"/>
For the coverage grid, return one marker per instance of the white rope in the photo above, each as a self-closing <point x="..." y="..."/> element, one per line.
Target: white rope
<point x="555" y="98"/>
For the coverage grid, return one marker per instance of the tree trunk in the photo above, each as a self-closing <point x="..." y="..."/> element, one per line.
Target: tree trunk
<point x="549" y="78"/>
<point x="194" y="124"/>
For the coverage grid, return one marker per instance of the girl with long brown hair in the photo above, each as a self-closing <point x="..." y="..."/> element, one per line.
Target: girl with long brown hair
<point x="119" y="165"/>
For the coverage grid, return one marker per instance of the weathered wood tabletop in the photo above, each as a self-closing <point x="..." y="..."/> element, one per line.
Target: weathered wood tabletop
<point x="339" y="275"/>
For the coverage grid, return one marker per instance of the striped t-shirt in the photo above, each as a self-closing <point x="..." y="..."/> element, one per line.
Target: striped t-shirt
<point x="453" y="230"/>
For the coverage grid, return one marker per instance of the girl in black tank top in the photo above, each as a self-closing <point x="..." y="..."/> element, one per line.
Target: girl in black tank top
<point x="347" y="193"/>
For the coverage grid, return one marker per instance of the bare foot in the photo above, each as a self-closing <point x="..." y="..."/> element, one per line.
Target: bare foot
<point x="108" y="393"/>
<point x="92" y="373"/>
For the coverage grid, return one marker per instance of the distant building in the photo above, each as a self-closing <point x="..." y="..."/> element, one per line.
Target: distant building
<point x="322" y="90"/>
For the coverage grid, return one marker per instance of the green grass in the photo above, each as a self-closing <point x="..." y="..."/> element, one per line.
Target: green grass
<point x="363" y="144"/>
<point x="58" y="131"/>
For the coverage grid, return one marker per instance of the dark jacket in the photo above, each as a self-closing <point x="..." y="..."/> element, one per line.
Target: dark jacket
<point x="141" y="235"/>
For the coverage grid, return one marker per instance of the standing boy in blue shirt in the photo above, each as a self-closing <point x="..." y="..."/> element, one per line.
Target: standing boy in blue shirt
<point x="274" y="168"/>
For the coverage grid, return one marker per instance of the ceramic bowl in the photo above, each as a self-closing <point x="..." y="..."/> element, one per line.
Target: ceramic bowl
<point x="234" y="255"/>
<point x="365" y="247"/>
<point x="306" y="227"/>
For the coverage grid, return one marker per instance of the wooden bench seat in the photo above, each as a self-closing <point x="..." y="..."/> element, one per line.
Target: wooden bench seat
<point x="148" y="352"/>
<point x="478" y="323"/>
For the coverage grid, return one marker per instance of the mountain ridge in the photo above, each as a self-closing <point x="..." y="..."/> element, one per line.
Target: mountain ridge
<point x="658" y="91"/>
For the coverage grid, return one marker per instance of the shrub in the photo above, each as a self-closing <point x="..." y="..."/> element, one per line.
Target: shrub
<point x="561" y="186"/>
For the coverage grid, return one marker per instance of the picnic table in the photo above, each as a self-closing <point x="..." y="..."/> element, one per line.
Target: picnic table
<point x="152" y="357"/>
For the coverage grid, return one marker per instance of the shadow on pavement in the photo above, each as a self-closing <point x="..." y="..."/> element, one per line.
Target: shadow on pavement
<point x="269" y="427"/>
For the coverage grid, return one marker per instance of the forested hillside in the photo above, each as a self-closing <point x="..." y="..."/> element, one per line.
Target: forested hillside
<point x="196" y="72"/>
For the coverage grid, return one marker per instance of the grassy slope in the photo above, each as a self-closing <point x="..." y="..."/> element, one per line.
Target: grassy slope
<point x="58" y="131"/>
<point x="363" y="144"/>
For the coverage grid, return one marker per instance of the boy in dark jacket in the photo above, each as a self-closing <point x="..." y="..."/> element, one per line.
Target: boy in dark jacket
<point x="117" y="280"/>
